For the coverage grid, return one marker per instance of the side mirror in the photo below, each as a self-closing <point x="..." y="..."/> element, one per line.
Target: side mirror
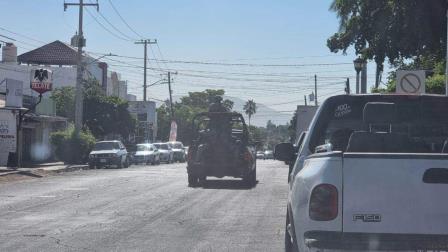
<point x="284" y="152"/>
<point x="324" y="148"/>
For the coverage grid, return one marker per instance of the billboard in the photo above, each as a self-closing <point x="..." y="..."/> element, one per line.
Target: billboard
<point x="14" y="93"/>
<point x="8" y="135"/>
<point x="41" y="80"/>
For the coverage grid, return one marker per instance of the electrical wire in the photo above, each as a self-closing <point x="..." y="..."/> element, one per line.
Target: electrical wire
<point x="124" y="21"/>
<point x="105" y="28"/>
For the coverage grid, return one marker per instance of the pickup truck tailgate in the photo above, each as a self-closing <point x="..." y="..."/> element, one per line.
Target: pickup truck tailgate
<point x="395" y="193"/>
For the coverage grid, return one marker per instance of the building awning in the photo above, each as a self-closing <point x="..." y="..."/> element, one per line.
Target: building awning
<point x="54" y="53"/>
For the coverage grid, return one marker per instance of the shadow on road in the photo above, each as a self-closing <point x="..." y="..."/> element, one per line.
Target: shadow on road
<point x="232" y="184"/>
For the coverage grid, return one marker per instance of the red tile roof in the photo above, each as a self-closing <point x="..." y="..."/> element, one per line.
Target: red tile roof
<point x="54" y="53"/>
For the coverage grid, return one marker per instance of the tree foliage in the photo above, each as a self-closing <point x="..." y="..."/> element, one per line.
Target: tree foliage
<point x="102" y="115"/>
<point x="250" y="108"/>
<point x="393" y="29"/>
<point x="64" y="99"/>
<point x="71" y="148"/>
<point x="185" y="110"/>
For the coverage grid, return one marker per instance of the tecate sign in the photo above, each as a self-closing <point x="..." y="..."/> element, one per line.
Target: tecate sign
<point x="41" y="80"/>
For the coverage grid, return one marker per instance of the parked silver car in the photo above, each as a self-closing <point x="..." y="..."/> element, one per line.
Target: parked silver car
<point x="178" y="151"/>
<point x="165" y="152"/>
<point x="147" y="153"/>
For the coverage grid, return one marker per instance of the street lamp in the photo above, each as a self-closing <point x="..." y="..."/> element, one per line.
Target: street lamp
<point x="359" y="64"/>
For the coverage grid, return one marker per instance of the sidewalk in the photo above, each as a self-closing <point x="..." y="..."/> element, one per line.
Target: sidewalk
<point x="49" y="167"/>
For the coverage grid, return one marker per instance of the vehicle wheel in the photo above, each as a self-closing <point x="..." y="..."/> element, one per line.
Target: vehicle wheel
<point x="290" y="243"/>
<point x="120" y="164"/>
<point x="192" y="180"/>
<point x="253" y="177"/>
<point x="126" y="163"/>
<point x="91" y="166"/>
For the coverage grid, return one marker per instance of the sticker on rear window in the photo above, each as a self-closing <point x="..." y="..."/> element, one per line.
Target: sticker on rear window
<point x="342" y="110"/>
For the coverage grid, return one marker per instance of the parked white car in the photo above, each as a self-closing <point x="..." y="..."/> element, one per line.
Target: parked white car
<point x="147" y="153"/>
<point x="165" y="152"/>
<point x="371" y="175"/>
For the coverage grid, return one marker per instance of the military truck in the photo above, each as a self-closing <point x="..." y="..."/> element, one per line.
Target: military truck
<point x="221" y="148"/>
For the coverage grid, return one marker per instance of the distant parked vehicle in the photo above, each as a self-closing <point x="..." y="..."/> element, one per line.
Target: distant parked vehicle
<point x="260" y="155"/>
<point x="108" y="153"/>
<point x="165" y="152"/>
<point x="268" y="154"/>
<point x="147" y="153"/>
<point x="178" y="151"/>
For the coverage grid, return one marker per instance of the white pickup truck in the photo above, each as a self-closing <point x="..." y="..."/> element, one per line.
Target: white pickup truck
<point x="371" y="175"/>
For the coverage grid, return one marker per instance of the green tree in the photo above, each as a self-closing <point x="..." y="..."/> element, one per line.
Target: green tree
<point x="64" y="98"/>
<point x="185" y="110"/>
<point x="250" y="108"/>
<point x="390" y="29"/>
<point x="102" y="115"/>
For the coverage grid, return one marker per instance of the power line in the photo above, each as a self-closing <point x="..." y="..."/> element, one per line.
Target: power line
<point x="114" y="27"/>
<point x="124" y="21"/>
<point x="105" y="28"/>
<point x="21" y="35"/>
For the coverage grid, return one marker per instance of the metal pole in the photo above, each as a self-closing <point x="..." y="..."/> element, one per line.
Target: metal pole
<point x="347" y="86"/>
<point x="315" y="90"/>
<point x="144" y="71"/>
<point x="364" y="79"/>
<point x="305" y="100"/>
<point x="357" y="82"/>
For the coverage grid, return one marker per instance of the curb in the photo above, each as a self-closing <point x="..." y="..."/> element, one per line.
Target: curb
<point x="70" y="168"/>
<point x="8" y="173"/>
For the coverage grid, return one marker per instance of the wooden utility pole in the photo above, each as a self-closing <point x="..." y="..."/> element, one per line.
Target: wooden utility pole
<point x="79" y="69"/>
<point x="145" y="42"/>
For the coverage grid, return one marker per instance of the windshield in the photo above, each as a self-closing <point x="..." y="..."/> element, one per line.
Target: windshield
<point x="161" y="146"/>
<point x="143" y="148"/>
<point x="106" y="146"/>
<point x="177" y="146"/>
<point x="417" y="126"/>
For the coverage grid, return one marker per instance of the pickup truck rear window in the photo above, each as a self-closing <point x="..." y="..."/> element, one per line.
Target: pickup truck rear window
<point x="419" y="125"/>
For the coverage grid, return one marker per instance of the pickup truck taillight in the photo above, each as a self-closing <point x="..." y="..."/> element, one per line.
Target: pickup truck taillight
<point x="324" y="203"/>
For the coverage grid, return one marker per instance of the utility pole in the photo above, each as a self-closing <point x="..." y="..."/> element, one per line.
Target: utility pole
<point x="171" y="95"/>
<point x="305" y="100"/>
<point x="315" y="90"/>
<point x="145" y="42"/>
<point x="347" y="86"/>
<point x="79" y="69"/>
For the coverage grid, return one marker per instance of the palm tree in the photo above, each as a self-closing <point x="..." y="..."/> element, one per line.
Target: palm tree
<point x="250" y="108"/>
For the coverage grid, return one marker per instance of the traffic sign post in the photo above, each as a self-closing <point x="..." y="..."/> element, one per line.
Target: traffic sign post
<point x="410" y="82"/>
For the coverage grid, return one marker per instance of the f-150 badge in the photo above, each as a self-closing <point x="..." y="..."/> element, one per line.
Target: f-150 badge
<point x="367" y="217"/>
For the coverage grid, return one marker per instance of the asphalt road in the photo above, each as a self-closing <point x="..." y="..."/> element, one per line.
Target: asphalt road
<point x="144" y="208"/>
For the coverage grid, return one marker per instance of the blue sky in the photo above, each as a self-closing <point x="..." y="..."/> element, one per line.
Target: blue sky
<point x="253" y="32"/>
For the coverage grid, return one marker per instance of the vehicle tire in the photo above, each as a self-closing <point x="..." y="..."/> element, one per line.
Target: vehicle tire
<point x="91" y="166"/>
<point x="126" y="163"/>
<point x="290" y="244"/>
<point x="253" y="177"/>
<point x="120" y="164"/>
<point x="192" y="180"/>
